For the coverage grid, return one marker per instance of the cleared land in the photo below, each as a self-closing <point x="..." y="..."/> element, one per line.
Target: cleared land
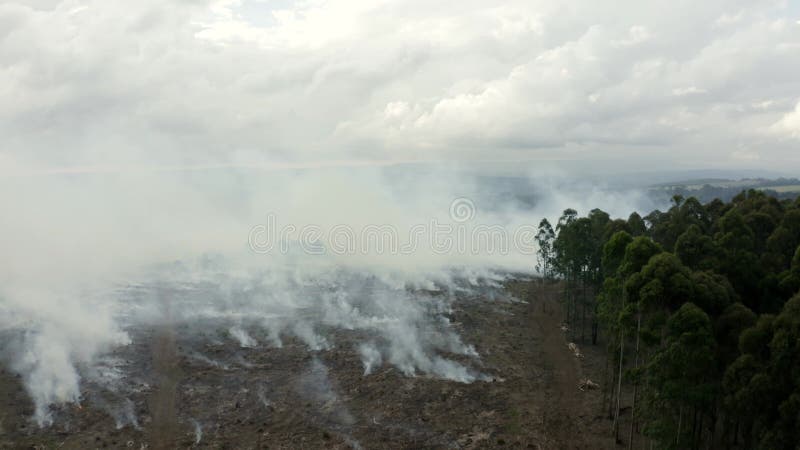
<point x="224" y="396"/>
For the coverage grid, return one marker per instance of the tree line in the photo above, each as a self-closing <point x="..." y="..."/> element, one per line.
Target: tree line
<point x="708" y="192"/>
<point x="699" y="309"/>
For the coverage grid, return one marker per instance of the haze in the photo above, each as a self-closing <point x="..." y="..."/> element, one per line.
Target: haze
<point x="141" y="143"/>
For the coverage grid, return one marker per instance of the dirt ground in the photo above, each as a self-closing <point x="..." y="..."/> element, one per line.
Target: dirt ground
<point x="224" y="396"/>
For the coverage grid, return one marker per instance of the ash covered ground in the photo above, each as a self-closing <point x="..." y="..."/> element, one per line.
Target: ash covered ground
<point x="512" y="382"/>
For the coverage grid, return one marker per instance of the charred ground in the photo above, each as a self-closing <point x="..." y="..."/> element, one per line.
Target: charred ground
<point x="187" y="394"/>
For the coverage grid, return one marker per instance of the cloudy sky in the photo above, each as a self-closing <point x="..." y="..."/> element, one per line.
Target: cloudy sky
<point x="96" y="85"/>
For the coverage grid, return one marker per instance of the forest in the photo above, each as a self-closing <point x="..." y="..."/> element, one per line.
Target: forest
<point x="699" y="309"/>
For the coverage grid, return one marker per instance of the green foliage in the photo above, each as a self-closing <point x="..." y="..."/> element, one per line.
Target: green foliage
<point x="778" y="249"/>
<point x="697" y="250"/>
<point x="614" y="252"/>
<point x="728" y="328"/>
<point x="545" y="254"/>
<point x="636" y="225"/>
<point x="762" y="386"/>
<point x="681" y="373"/>
<point x="638" y="254"/>
<point x="663" y="283"/>
<point x="762" y="225"/>
<point x="712" y="292"/>
<point x="784" y="369"/>
<point x="702" y="332"/>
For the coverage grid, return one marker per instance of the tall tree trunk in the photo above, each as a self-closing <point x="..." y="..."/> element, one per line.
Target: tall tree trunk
<point x="619" y="374"/>
<point x="568" y="292"/>
<point x="699" y="438"/>
<point x="583" y="310"/>
<point x="712" y="427"/>
<point x="595" y="322"/>
<point x="609" y="378"/>
<point x="636" y="382"/>
<point x="619" y="384"/>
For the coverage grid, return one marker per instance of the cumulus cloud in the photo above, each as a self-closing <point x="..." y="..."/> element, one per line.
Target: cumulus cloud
<point x="789" y="125"/>
<point x="95" y="83"/>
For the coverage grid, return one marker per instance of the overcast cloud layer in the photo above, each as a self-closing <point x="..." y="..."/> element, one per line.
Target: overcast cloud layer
<point x="103" y="85"/>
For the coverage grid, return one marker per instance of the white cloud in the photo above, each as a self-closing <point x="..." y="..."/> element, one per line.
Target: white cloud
<point x="789" y="125"/>
<point x="745" y="154"/>
<point x="89" y="82"/>
<point x="688" y="90"/>
<point x="636" y="35"/>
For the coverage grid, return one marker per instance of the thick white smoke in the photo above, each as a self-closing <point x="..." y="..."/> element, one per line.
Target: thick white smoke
<point x="86" y="258"/>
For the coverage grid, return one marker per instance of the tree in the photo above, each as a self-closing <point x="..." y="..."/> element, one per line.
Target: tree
<point x="574" y="255"/>
<point x="728" y="328"/>
<point x="739" y="261"/>
<point x="667" y="227"/>
<point x="778" y="249"/>
<point x="614" y="252"/>
<point x="696" y="249"/>
<point x="545" y="254"/>
<point x="788" y="281"/>
<point x="712" y="292"/>
<point x="763" y="384"/>
<point x="704" y="337"/>
<point x="610" y="302"/>
<point x="784" y="350"/>
<point x="681" y="379"/>
<point x="762" y="225"/>
<point x="662" y="285"/>
<point x="747" y="385"/>
<point x="636" y="225"/>
<point x="637" y="254"/>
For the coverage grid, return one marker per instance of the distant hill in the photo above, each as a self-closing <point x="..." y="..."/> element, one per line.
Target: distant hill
<point x="707" y="189"/>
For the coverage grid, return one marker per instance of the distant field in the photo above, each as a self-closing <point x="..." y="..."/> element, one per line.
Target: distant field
<point x="708" y="189"/>
<point x="786" y="188"/>
<point x="741" y="184"/>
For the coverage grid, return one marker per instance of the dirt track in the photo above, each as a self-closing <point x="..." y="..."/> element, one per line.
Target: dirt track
<point x="223" y="396"/>
<point x="562" y="423"/>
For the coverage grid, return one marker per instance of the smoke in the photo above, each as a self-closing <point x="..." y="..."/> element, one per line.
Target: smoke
<point x="87" y="258"/>
<point x="244" y="339"/>
<point x="370" y="357"/>
<point x="198" y="431"/>
<point x="208" y="361"/>
<point x="262" y="397"/>
<point x="52" y="343"/>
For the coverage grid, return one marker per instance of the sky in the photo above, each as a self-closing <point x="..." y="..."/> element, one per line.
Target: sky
<point x="104" y="85"/>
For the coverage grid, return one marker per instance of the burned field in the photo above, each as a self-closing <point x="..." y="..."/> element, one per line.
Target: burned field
<point x="175" y="388"/>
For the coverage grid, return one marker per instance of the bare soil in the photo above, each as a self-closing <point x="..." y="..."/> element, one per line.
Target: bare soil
<point x="188" y="394"/>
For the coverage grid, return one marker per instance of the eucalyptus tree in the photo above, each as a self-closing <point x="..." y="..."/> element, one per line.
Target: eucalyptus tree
<point x="681" y="380"/>
<point x="738" y="260"/>
<point x="704" y="336"/>
<point x="636" y="224"/>
<point x="697" y="249"/>
<point x="637" y="254"/>
<point x="545" y="254"/>
<point x="662" y="286"/>
<point x="610" y="303"/>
